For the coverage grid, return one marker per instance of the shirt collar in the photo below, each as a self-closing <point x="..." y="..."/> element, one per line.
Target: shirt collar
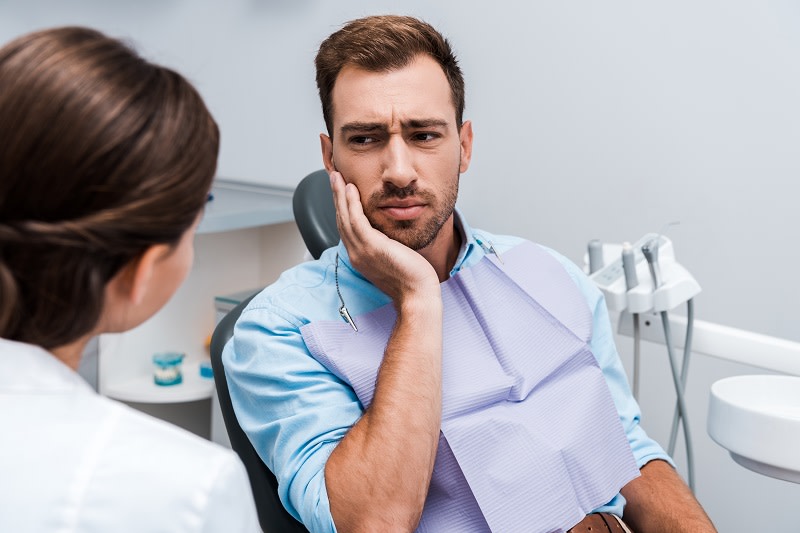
<point x="28" y="368"/>
<point x="469" y="246"/>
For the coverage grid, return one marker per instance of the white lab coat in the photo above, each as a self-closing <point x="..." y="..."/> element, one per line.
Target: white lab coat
<point x="74" y="461"/>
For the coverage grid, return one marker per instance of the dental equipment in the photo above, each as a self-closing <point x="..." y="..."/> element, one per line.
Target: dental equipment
<point x="595" y="255"/>
<point x="645" y="278"/>
<point x="631" y="281"/>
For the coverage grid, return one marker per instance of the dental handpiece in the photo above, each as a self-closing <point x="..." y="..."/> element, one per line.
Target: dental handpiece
<point x="595" y="255"/>
<point x="629" y="266"/>
<point x="650" y="251"/>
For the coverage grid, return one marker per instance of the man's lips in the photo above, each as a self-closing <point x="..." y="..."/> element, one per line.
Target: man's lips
<point x="401" y="210"/>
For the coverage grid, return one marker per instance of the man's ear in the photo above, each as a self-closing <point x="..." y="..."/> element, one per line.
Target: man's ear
<point x="136" y="277"/>
<point x="326" y="144"/>
<point x="465" y="138"/>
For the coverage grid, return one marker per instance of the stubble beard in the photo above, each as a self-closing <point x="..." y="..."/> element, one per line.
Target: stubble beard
<point x="416" y="234"/>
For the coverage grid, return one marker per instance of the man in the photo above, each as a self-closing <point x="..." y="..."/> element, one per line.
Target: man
<point x="425" y="375"/>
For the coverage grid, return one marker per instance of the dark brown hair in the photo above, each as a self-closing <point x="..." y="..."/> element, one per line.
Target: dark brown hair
<point x="383" y="43"/>
<point x="102" y="155"/>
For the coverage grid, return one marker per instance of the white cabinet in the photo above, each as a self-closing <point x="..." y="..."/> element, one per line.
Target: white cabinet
<point x="246" y="239"/>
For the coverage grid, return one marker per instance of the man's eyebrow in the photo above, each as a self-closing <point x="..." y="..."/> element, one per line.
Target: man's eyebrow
<point x="426" y="123"/>
<point x="362" y="127"/>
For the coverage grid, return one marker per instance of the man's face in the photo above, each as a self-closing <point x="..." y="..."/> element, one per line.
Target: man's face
<point x="395" y="138"/>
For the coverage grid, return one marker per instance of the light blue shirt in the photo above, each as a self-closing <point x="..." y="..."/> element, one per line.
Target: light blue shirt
<point x="295" y="411"/>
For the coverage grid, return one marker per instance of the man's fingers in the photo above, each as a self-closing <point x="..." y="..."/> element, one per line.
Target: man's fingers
<point x="340" y="201"/>
<point x="354" y="227"/>
<point x="359" y="224"/>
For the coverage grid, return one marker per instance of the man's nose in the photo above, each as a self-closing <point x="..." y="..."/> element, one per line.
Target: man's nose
<point x="398" y="166"/>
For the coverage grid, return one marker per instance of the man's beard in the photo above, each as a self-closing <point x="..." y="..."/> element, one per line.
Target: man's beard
<point x="416" y="234"/>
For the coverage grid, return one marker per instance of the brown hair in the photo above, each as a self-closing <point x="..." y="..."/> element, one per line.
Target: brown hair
<point x="102" y="155"/>
<point x="383" y="43"/>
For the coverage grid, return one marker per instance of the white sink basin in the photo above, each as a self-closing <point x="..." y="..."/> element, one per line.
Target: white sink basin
<point x="757" y="419"/>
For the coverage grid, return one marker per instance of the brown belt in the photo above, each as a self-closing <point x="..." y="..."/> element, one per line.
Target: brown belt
<point x="598" y="523"/>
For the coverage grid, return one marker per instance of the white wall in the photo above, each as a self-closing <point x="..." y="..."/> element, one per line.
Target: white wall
<point x="592" y="120"/>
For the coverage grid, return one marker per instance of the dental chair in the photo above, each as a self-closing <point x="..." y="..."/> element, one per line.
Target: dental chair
<point x="315" y="216"/>
<point x="314" y="213"/>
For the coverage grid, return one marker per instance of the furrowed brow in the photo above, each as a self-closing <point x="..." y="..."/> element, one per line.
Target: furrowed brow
<point x="426" y="123"/>
<point x="361" y="127"/>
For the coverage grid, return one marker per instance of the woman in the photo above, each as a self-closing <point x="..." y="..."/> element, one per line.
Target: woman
<point x="106" y="162"/>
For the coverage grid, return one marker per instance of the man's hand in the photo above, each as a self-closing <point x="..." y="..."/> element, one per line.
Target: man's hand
<point x="394" y="268"/>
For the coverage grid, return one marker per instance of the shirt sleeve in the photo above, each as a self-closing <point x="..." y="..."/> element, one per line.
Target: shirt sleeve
<point x="291" y="407"/>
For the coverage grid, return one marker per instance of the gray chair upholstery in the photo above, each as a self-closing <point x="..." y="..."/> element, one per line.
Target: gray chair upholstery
<point x="271" y="514"/>
<point x="314" y="213"/>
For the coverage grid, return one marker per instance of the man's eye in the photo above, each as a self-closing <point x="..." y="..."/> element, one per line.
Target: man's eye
<point x="425" y="136"/>
<point x="362" y="139"/>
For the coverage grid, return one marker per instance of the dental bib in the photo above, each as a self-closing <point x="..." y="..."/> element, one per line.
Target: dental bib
<point x="530" y="439"/>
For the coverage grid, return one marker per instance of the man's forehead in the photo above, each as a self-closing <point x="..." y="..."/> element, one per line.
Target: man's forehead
<point x="418" y="92"/>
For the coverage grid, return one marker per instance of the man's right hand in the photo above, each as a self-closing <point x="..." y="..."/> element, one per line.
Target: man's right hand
<point x="393" y="267"/>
